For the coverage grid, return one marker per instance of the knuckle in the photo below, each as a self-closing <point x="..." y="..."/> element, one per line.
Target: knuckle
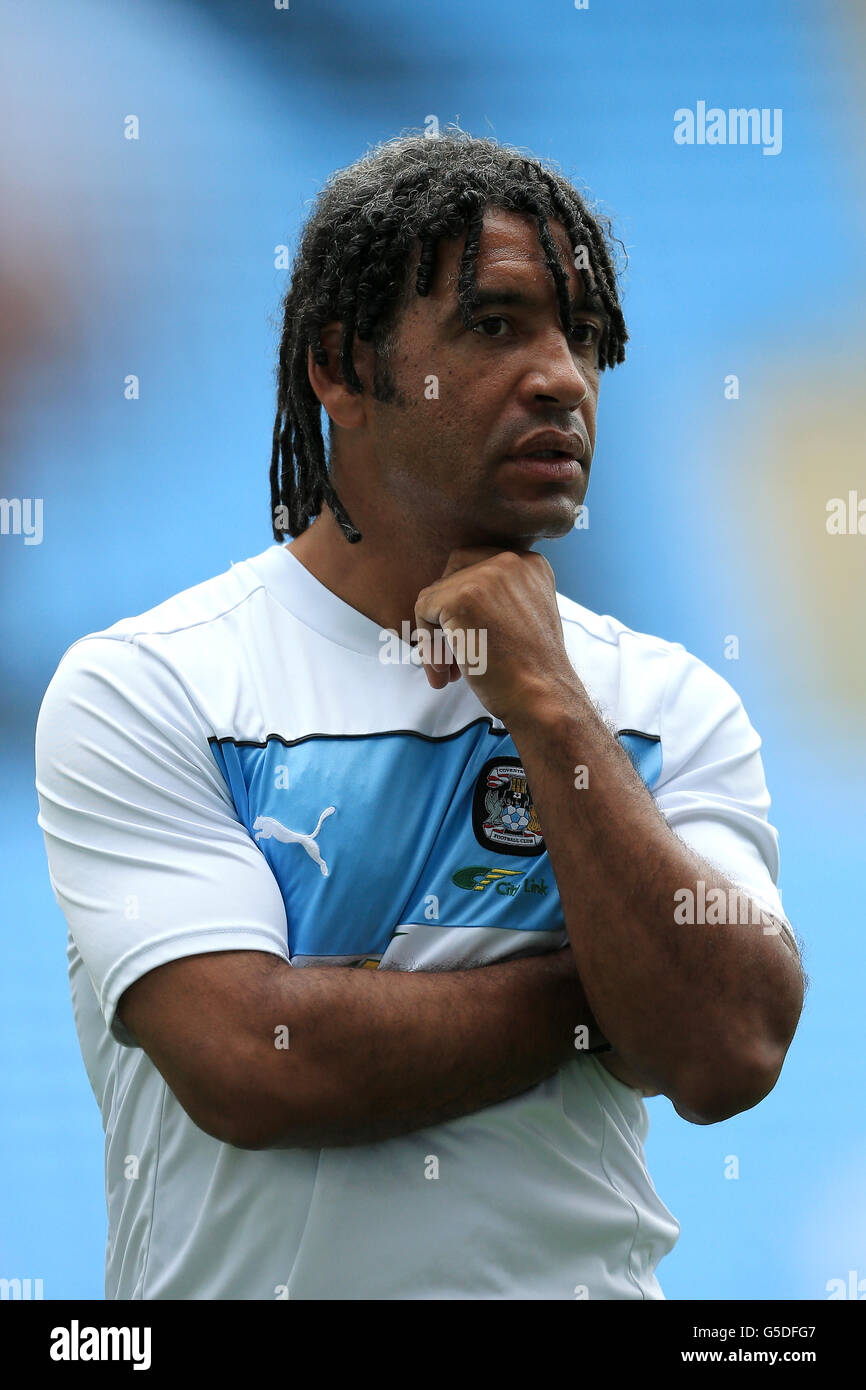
<point x="542" y="563"/>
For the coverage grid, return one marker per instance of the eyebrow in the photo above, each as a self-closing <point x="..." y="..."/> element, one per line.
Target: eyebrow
<point x="589" y="303"/>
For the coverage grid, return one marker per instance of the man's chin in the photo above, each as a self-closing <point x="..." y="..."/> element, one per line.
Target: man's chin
<point x="525" y="522"/>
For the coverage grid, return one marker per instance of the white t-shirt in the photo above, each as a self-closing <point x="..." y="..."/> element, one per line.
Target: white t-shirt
<point x="238" y="769"/>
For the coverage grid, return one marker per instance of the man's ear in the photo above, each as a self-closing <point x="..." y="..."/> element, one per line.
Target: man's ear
<point x="344" y="407"/>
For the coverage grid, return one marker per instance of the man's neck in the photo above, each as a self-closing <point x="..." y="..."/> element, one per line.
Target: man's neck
<point x="381" y="576"/>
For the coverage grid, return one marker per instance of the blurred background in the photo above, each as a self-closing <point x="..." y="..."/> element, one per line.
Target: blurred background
<point x="736" y="419"/>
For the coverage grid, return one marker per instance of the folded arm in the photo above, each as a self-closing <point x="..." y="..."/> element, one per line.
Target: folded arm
<point x="265" y="1055"/>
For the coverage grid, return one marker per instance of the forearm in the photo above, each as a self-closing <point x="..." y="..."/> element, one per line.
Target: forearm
<point x="373" y="1054"/>
<point x="676" y="1001"/>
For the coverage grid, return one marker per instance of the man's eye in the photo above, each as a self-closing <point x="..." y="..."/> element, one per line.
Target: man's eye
<point x="586" y="333"/>
<point x="491" y="318"/>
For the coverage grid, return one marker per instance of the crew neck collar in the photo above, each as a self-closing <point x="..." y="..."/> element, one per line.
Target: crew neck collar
<point x="314" y="604"/>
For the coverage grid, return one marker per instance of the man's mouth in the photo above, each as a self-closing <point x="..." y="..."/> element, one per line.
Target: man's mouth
<point x="546" y="463"/>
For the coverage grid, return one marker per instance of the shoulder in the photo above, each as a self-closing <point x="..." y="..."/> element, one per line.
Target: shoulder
<point x="582" y="625"/>
<point x="649" y="683"/>
<point x="153" y="653"/>
<point x="618" y="659"/>
<point x="199" y="605"/>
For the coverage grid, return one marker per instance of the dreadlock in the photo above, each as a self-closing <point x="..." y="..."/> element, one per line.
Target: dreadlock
<point x="352" y="266"/>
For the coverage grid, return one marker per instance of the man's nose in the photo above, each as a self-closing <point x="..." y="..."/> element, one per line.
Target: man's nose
<point x="557" y="375"/>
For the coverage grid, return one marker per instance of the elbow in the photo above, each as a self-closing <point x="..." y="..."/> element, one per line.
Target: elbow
<point x="243" y="1126"/>
<point x="248" y="1117"/>
<point x="255" y="1105"/>
<point x="260" y="1098"/>
<point x="258" y="1122"/>
<point x="304" y="1116"/>
<point x="720" y="1092"/>
<point x="245" y="1131"/>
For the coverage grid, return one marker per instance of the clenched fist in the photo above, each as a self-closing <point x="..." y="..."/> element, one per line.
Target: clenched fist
<point x="499" y="612"/>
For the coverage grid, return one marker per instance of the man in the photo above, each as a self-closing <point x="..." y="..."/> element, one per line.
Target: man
<point x="287" y="767"/>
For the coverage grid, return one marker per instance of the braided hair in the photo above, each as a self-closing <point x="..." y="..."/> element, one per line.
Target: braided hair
<point x="352" y="266"/>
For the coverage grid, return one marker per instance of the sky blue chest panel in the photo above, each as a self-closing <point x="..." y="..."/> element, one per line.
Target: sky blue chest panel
<point x="365" y="833"/>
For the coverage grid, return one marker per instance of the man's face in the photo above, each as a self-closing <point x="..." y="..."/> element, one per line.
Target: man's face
<point x="469" y="401"/>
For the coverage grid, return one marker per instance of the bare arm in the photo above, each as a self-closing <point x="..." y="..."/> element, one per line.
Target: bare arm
<point x="703" y="1016"/>
<point x="371" y="1054"/>
<point x="715" y="1049"/>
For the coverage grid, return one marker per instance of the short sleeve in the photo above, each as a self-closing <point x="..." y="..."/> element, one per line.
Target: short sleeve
<point x="147" y="857"/>
<point x="712" y="789"/>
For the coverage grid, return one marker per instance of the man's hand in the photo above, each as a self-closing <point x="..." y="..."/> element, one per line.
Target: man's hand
<point x="499" y="611"/>
<point x="509" y="597"/>
<point x="617" y="864"/>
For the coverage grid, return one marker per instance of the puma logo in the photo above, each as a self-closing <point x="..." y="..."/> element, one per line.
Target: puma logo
<point x="267" y="828"/>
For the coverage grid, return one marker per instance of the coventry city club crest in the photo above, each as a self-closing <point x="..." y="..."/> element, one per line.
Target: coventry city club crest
<point x="503" y="816"/>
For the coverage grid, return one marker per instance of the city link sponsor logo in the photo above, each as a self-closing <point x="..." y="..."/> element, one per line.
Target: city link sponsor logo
<point x="76" y="1343"/>
<point x="475" y="878"/>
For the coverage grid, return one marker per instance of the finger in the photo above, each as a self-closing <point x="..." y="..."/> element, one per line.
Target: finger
<point x="438" y="674"/>
<point x="454" y="671"/>
<point x="463" y="557"/>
